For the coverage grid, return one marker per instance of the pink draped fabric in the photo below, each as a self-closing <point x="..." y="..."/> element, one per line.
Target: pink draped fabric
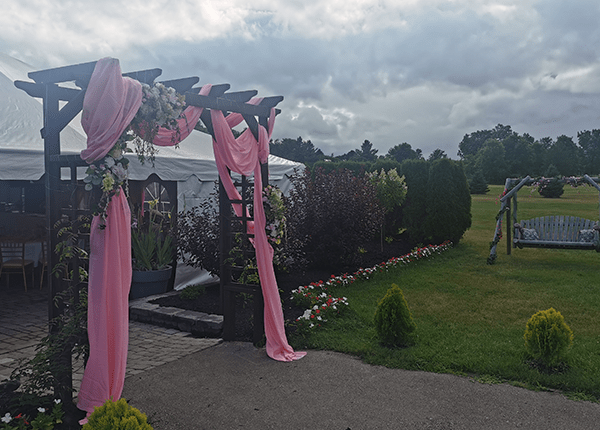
<point x="111" y="101"/>
<point x="108" y="306"/>
<point x="241" y="155"/>
<point x="191" y="115"/>
<point x="110" y="104"/>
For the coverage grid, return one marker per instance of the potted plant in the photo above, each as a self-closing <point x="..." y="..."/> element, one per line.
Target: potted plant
<point x="152" y="253"/>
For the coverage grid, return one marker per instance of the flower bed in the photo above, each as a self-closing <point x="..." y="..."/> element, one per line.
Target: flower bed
<point x="321" y="305"/>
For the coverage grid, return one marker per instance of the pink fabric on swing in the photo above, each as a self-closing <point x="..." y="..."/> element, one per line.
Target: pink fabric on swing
<point x="241" y="155"/>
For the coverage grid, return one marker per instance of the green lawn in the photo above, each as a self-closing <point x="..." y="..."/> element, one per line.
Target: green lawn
<point x="471" y="316"/>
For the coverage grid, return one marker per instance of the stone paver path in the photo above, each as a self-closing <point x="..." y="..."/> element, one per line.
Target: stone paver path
<point x="24" y="319"/>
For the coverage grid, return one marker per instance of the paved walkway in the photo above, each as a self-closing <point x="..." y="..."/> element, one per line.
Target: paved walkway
<point x="24" y="321"/>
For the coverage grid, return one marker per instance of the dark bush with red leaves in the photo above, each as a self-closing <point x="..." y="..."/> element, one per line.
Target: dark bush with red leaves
<point x="331" y="216"/>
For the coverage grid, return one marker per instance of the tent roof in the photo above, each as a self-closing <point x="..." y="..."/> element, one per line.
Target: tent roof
<point x="21" y="145"/>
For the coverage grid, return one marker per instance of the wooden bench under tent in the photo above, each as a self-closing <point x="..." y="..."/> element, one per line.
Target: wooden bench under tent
<point x="558" y="232"/>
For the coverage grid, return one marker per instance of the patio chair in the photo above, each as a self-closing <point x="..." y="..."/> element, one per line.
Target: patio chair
<point x="12" y="260"/>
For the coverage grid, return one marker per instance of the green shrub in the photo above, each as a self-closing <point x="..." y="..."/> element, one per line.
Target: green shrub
<point x="391" y="192"/>
<point x="198" y="236"/>
<point x="551" y="186"/>
<point x="117" y="416"/>
<point x="393" y="320"/>
<point x="547" y="337"/>
<point x="448" y="210"/>
<point x="416" y="174"/>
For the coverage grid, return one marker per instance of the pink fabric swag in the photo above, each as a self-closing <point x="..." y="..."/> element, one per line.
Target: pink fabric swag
<point x="244" y="155"/>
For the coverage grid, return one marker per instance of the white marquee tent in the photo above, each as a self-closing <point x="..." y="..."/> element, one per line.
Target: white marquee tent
<point x="191" y="165"/>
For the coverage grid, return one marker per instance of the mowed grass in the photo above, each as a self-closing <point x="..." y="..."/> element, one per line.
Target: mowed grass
<point x="471" y="316"/>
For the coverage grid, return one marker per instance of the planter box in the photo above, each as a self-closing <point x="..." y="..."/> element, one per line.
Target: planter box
<point x="149" y="283"/>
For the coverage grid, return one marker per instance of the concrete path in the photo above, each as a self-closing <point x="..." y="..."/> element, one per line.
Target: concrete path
<point x="236" y="386"/>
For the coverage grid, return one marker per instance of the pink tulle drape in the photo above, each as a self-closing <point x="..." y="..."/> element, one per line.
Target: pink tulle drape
<point x="110" y="104"/>
<point x="244" y="155"/>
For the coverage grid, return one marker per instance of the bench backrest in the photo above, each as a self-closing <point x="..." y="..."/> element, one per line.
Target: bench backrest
<point x="559" y="228"/>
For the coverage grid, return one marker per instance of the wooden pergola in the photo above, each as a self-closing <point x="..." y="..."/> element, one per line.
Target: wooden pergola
<point x="61" y="103"/>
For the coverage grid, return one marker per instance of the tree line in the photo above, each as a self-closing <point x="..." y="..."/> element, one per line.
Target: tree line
<point x="495" y="154"/>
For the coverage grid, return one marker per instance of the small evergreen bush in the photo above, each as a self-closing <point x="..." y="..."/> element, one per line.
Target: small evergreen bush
<point x="393" y="320"/>
<point x="551" y="186"/>
<point x="478" y="184"/>
<point x="117" y="416"/>
<point x="547" y="337"/>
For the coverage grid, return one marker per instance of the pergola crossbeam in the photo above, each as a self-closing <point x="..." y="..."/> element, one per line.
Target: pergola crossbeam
<point x="182" y="85"/>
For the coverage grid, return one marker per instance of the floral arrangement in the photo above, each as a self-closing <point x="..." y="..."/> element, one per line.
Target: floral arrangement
<point x="322" y="305"/>
<point x="45" y="420"/>
<point x="275" y="220"/>
<point x="161" y="107"/>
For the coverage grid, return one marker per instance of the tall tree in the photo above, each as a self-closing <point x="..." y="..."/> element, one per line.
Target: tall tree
<point x="589" y="141"/>
<point x="491" y="161"/>
<point x="367" y="152"/>
<point x="404" y="152"/>
<point x="564" y="155"/>
<point x="296" y="150"/>
<point x="472" y="143"/>
<point x="437" y="154"/>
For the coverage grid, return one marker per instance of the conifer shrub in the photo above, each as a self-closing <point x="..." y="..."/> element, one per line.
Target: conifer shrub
<point x="551" y="186"/>
<point x="478" y="184"/>
<point x="414" y="209"/>
<point x="117" y="416"/>
<point x="547" y="337"/>
<point x="393" y="320"/>
<point x="448" y="209"/>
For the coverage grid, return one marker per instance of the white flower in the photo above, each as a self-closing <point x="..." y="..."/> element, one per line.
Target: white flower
<point x="6" y="418"/>
<point x="41" y="410"/>
<point x="57" y="401"/>
<point x="306" y="314"/>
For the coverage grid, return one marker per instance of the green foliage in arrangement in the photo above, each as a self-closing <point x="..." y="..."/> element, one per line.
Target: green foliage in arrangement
<point x="393" y="320"/>
<point x="117" y="416"/>
<point x="548" y="337"/>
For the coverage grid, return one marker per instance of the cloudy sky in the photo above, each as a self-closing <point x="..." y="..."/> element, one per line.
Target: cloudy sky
<point x="424" y="72"/>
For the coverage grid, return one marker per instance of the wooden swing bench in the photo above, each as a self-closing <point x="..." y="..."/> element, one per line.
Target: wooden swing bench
<point x="562" y="232"/>
<point x="557" y="231"/>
